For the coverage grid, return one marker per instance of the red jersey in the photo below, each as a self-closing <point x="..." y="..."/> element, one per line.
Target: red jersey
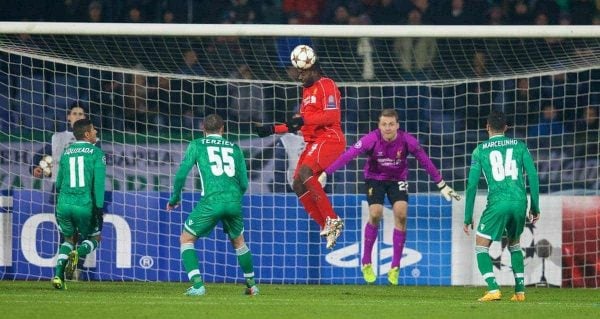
<point x="321" y="112"/>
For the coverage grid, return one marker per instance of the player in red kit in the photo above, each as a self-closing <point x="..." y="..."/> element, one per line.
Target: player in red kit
<point x="319" y="122"/>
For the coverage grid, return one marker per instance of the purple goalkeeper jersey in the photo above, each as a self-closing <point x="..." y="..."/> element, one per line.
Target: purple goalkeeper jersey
<point x="387" y="160"/>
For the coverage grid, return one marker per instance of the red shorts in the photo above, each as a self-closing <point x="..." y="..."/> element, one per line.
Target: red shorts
<point x="319" y="154"/>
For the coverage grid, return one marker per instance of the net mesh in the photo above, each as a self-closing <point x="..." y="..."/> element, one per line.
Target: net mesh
<point x="148" y="103"/>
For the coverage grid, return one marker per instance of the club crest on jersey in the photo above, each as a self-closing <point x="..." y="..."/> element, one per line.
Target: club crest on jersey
<point x="331" y="102"/>
<point x="358" y="144"/>
<point x="398" y="157"/>
<point x="309" y="100"/>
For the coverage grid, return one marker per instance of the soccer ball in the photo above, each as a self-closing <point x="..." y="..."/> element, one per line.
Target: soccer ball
<point x="303" y="57"/>
<point x="46" y="165"/>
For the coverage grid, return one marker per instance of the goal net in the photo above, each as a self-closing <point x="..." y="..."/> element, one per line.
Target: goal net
<point x="148" y="87"/>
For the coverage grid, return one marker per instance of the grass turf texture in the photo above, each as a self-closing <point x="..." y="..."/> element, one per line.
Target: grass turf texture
<point x="37" y="299"/>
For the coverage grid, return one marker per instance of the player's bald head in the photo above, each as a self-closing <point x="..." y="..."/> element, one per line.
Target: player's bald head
<point x="213" y="124"/>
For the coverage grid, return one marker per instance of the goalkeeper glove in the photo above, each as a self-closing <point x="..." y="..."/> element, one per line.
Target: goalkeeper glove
<point x="447" y="191"/>
<point x="264" y="130"/>
<point x="294" y="124"/>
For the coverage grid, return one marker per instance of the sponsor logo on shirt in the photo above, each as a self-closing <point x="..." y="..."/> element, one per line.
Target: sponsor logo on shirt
<point x="331" y="102"/>
<point x="313" y="148"/>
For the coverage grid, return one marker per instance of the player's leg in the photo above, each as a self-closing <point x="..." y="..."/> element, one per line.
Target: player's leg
<point x="71" y="272"/>
<point x="305" y="198"/>
<point x="310" y="206"/>
<point x="371" y="231"/>
<point x="398" y="195"/>
<point x="317" y="156"/>
<point x="233" y="226"/>
<point x="375" y="197"/>
<point x="67" y="229"/>
<point x="514" y="229"/>
<point x="95" y="237"/>
<point x="86" y="225"/>
<point x="244" y="257"/>
<point x="199" y="223"/>
<point x="491" y="227"/>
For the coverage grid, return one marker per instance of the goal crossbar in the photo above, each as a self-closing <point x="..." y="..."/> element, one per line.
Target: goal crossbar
<point x="381" y="31"/>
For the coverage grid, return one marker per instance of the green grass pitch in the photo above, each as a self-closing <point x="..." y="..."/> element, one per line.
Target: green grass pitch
<point x="87" y="300"/>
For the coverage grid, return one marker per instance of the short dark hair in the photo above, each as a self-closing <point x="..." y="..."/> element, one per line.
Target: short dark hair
<point x="496" y="120"/>
<point x="78" y="104"/>
<point x="389" y="113"/>
<point x="213" y="123"/>
<point x="80" y="127"/>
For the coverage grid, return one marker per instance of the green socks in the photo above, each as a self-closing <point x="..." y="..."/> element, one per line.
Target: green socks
<point x="484" y="263"/>
<point x="518" y="267"/>
<point x="86" y="247"/>
<point x="190" y="263"/>
<point x="244" y="257"/>
<point x="63" y="254"/>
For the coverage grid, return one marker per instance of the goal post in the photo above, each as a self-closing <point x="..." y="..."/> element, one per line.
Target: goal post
<point x="147" y="87"/>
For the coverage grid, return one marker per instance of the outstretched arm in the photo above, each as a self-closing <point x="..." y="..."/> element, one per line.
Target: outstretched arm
<point x="414" y="147"/>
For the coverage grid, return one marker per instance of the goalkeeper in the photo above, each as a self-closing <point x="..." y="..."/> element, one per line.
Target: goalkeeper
<point x="60" y="141"/>
<point x="503" y="161"/>
<point x="319" y="121"/>
<point x="80" y="188"/>
<point x="386" y="170"/>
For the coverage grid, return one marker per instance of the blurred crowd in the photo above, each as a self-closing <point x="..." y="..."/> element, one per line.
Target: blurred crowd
<point x="378" y="12"/>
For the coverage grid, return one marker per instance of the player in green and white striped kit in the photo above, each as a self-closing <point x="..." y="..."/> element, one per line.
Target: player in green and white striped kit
<point x="503" y="161"/>
<point x="80" y="188"/>
<point x="224" y="181"/>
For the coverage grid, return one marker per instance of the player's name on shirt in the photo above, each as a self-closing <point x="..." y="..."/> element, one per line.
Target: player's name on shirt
<point x="216" y="142"/>
<point x="499" y="143"/>
<point x="87" y="150"/>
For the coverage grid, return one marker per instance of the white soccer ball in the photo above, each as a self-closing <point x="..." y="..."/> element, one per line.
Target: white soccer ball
<point x="46" y="165"/>
<point x="303" y="57"/>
